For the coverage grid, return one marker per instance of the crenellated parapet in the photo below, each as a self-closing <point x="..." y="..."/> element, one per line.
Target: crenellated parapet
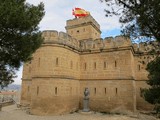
<point x="107" y="43"/>
<point x="62" y="38"/>
<point x="50" y="36"/>
<point x="145" y="47"/>
<point x="55" y="37"/>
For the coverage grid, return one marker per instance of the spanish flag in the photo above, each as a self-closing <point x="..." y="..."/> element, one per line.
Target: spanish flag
<point x="79" y="12"/>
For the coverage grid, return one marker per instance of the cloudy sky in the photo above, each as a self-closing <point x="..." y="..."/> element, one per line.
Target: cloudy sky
<point x="58" y="11"/>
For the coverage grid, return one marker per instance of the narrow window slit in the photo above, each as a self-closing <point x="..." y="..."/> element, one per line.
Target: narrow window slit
<point x="55" y="90"/>
<point x="37" y="90"/>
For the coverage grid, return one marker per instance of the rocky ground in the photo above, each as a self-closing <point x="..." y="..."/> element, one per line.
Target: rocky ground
<point x="14" y="113"/>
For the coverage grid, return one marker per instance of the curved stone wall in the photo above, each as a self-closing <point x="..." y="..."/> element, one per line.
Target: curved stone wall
<point x="55" y="61"/>
<point x="53" y="96"/>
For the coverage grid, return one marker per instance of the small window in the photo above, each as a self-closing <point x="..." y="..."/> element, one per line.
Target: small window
<point x="85" y="66"/>
<point x="37" y="90"/>
<point x="95" y="65"/>
<point x="77" y="31"/>
<point x="105" y="64"/>
<point x="95" y="90"/>
<point x="116" y="91"/>
<point x="55" y="90"/>
<point x="57" y="62"/>
<point x="115" y="63"/>
<point x="105" y="91"/>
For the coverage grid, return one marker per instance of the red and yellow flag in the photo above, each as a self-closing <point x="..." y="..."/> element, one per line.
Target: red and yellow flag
<point x="79" y="12"/>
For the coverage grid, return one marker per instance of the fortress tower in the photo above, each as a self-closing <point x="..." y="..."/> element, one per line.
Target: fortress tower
<point x="112" y="69"/>
<point x="83" y="28"/>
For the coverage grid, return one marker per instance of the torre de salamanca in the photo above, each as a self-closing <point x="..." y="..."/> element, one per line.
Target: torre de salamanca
<point x="113" y="69"/>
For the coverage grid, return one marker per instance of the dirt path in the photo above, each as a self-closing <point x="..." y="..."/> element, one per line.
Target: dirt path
<point x="13" y="113"/>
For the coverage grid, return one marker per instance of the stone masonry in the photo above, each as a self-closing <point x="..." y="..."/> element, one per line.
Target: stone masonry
<point x="112" y="68"/>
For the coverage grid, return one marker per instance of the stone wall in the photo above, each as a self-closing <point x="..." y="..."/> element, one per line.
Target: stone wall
<point x="55" y="61"/>
<point x="55" y="74"/>
<point x="107" y="65"/>
<point x="141" y="103"/>
<point x="109" y="95"/>
<point x="61" y="38"/>
<point x="26" y="92"/>
<point x="53" y="96"/>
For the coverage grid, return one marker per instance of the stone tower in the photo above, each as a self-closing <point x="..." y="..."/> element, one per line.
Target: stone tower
<point x="83" y="28"/>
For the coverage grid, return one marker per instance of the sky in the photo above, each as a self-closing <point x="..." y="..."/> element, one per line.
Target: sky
<point x="58" y="11"/>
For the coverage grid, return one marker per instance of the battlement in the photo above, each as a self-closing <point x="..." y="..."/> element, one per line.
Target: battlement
<point x="144" y="47"/>
<point x="107" y="43"/>
<point x="52" y="36"/>
<point x="55" y="37"/>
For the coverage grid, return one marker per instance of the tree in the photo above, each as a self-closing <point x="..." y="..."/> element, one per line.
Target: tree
<point x="152" y="95"/>
<point x="140" y="18"/>
<point x="19" y="35"/>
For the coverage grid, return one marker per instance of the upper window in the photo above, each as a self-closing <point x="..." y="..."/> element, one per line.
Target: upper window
<point x="105" y="64"/>
<point x="57" y="62"/>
